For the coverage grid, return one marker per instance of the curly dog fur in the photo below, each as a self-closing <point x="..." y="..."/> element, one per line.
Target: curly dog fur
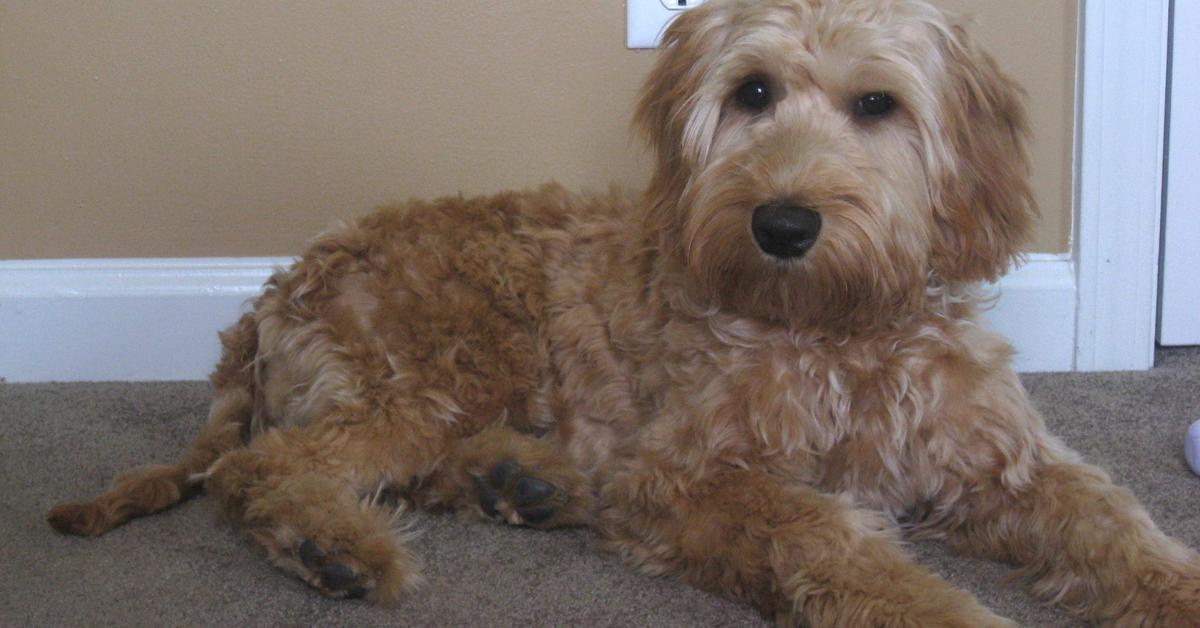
<point x="750" y="377"/>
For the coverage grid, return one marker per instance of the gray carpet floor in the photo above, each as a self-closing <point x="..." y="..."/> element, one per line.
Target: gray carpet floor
<point x="65" y="441"/>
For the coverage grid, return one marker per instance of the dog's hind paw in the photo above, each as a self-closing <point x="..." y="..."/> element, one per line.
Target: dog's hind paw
<point x="506" y="493"/>
<point x="508" y="476"/>
<point x="82" y="519"/>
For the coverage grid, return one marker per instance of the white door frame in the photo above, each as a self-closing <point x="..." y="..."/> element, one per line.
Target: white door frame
<point x="1121" y="109"/>
<point x="1179" y="303"/>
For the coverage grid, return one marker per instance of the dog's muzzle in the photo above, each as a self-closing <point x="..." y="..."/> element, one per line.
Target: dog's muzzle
<point x="784" y="231"/>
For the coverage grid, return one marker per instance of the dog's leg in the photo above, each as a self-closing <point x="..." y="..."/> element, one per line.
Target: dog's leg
<point x="1084" y="542"/>
<point x="299" y="494"/>
<point x="514" y="477"/>
<point x="155" y="488"/>
<point x="1087" y="545"/>
<point x="804" y="557"/>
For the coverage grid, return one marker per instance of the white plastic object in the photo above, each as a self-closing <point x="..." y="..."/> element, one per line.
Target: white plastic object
<point x="647" y="19"/>
<point x="1191" y="447"/>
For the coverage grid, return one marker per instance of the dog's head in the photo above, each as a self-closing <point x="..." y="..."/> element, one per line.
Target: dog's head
<point x="820" y="162"/>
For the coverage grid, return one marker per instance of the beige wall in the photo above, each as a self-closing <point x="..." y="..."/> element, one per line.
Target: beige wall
<point x="1034" y="40"/>
<point x="139" y="128"/>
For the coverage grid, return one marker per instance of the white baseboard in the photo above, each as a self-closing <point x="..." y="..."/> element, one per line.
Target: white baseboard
<point x="120" y="320"/>
<point x="1036" y="310"/>
<point x="157" y="319"/>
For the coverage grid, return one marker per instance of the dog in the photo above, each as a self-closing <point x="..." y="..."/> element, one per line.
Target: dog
<point x="752" y="376"/>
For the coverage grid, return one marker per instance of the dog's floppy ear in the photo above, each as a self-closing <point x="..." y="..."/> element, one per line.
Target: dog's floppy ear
<point x="983" y="205"/>
<point x="671" y="114"/>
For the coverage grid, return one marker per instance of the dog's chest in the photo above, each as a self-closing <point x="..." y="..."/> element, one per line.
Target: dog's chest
<point x="806" y="405"/>
<point x="850" y="416"/>
<point x="847" y="417"/>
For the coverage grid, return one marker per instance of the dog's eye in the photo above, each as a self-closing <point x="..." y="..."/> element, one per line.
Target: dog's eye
<point x="754" y="95"/>
<point x="875" y="104"/>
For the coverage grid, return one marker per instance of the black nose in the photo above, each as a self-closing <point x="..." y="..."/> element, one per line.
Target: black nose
<point x="785" y="231"/>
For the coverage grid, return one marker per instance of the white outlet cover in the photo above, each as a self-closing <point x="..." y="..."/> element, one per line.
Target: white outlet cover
<point x="647" y="19"/>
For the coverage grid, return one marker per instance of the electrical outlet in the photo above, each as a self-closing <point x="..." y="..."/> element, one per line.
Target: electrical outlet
<point x="647" y="19"/>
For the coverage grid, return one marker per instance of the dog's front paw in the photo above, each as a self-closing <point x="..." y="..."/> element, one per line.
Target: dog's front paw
<point x="377" y="571"/>
<point x="509" y="493"/>
<point x="333" y="576"/>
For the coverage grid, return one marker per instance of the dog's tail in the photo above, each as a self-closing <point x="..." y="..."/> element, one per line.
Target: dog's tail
<point x="151" y="489"/>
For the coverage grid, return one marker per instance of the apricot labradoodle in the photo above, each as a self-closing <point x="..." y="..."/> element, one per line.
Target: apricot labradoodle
<point x="749" y="377"/>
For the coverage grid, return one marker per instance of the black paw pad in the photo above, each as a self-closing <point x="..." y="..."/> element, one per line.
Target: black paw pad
<point x="503" y="472"/>
<point x="531" y="491"/>
<point x="333" y="578"/>
<point x="311" y="555"/>
<point x="526" y="494"/>
<point x="488" y="497"/>
<point x="336" y="576"/>
<point x="536" y="514"/>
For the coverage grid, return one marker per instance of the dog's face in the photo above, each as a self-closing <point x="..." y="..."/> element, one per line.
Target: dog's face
<point x="820" y="162"/>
